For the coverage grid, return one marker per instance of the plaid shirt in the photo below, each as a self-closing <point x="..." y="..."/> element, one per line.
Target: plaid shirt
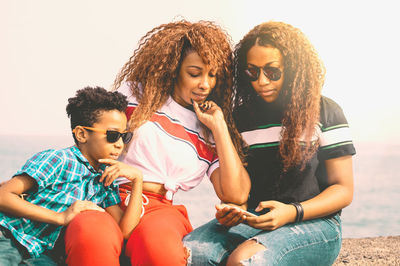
<point x="63" y="176"/>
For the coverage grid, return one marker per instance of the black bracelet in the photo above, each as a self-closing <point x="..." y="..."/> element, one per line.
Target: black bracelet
<point x="299" y="211"/>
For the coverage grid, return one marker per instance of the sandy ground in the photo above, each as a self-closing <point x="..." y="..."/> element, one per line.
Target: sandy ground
<point x="370" y="251"/>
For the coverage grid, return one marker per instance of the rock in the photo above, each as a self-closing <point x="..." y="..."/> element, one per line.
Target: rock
<point x="384" y="250"/>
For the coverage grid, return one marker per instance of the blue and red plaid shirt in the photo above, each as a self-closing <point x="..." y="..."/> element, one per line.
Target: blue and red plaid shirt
<point x="63" y="176"/>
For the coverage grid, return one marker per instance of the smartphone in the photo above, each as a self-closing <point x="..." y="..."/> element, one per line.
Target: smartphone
<point x="241" y="210"/>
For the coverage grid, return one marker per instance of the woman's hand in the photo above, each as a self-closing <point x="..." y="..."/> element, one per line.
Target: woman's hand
<point x="209" y="113"/>
<point x="76" y="208"/>
<point x="116" y="169"/>
<point x="279" y="215"/>
<point x="229" y="216"/>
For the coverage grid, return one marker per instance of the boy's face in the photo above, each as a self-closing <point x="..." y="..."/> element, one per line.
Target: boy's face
<point x="96" y="146"/>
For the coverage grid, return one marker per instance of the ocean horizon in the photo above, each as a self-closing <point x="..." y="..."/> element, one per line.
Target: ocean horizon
<point x="375" y="210"/>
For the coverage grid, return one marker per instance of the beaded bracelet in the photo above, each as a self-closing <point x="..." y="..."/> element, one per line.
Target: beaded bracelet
<point x="299" y="211"/>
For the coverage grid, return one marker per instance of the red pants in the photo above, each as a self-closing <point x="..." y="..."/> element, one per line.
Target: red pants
<point x="93" y="238"/>
<point x="157" y="239"/>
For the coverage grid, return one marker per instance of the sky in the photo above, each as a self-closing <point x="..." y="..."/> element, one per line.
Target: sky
<point x="49" y="49"/>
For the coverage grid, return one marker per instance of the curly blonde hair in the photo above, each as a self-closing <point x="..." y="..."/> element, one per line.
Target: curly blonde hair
<point x="153" y="69"/>
<point x="301" y="91"/>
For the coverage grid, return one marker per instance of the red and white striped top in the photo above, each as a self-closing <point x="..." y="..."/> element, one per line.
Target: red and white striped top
<point x="169" y="148"/>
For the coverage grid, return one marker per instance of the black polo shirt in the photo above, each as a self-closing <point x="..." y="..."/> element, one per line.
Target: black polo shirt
<point x="260" y="127"/>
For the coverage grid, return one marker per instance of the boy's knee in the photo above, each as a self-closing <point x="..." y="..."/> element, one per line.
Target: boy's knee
<point x="93" y="228"/>
<point x="94" y="238"/>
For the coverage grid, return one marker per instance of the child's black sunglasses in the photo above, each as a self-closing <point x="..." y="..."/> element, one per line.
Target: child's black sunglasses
<point x="112" y="135"/>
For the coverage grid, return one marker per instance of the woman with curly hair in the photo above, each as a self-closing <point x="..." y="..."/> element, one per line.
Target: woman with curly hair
<point x="299" y="159"/>
<point x="176" y="81"/>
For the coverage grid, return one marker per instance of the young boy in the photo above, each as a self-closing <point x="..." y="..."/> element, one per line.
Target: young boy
<point x="62" y="183"/>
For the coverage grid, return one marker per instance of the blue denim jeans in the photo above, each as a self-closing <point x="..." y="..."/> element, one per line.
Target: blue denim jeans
<point x="313" y="242"/>
<point x="11" y="253"/>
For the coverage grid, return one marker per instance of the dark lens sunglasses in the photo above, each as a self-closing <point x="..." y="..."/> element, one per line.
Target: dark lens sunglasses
<point x="272" y="73"/>
<point x="112" y="135"/>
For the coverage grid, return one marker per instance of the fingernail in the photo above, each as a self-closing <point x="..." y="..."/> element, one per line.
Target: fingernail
<point x="191" y="100"/>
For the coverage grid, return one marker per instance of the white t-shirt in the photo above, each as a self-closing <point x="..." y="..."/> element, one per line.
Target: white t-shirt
<point x="169" y="148"/>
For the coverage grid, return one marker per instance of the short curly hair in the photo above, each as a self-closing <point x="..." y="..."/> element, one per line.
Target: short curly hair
<point x="153" y="69"/>
<point x="301" y="90"/>
<point x="86" y="107"/>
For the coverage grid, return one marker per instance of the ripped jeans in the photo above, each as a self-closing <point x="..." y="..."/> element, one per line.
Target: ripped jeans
<point x="313" y="242"/>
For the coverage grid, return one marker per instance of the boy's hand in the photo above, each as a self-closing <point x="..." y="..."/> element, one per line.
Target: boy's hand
<point x="77" y="207"/>
<point x="116" y="169"/>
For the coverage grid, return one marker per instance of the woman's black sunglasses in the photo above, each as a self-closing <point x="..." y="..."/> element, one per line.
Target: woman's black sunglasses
<point x="272" y="73"/>
<point x="112" y="135"/>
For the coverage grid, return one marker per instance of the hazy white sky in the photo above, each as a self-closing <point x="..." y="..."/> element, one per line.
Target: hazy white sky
<point x="49" y="49"/>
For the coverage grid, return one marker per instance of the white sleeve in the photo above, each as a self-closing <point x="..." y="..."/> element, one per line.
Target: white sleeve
<point x="214" y="165"/>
